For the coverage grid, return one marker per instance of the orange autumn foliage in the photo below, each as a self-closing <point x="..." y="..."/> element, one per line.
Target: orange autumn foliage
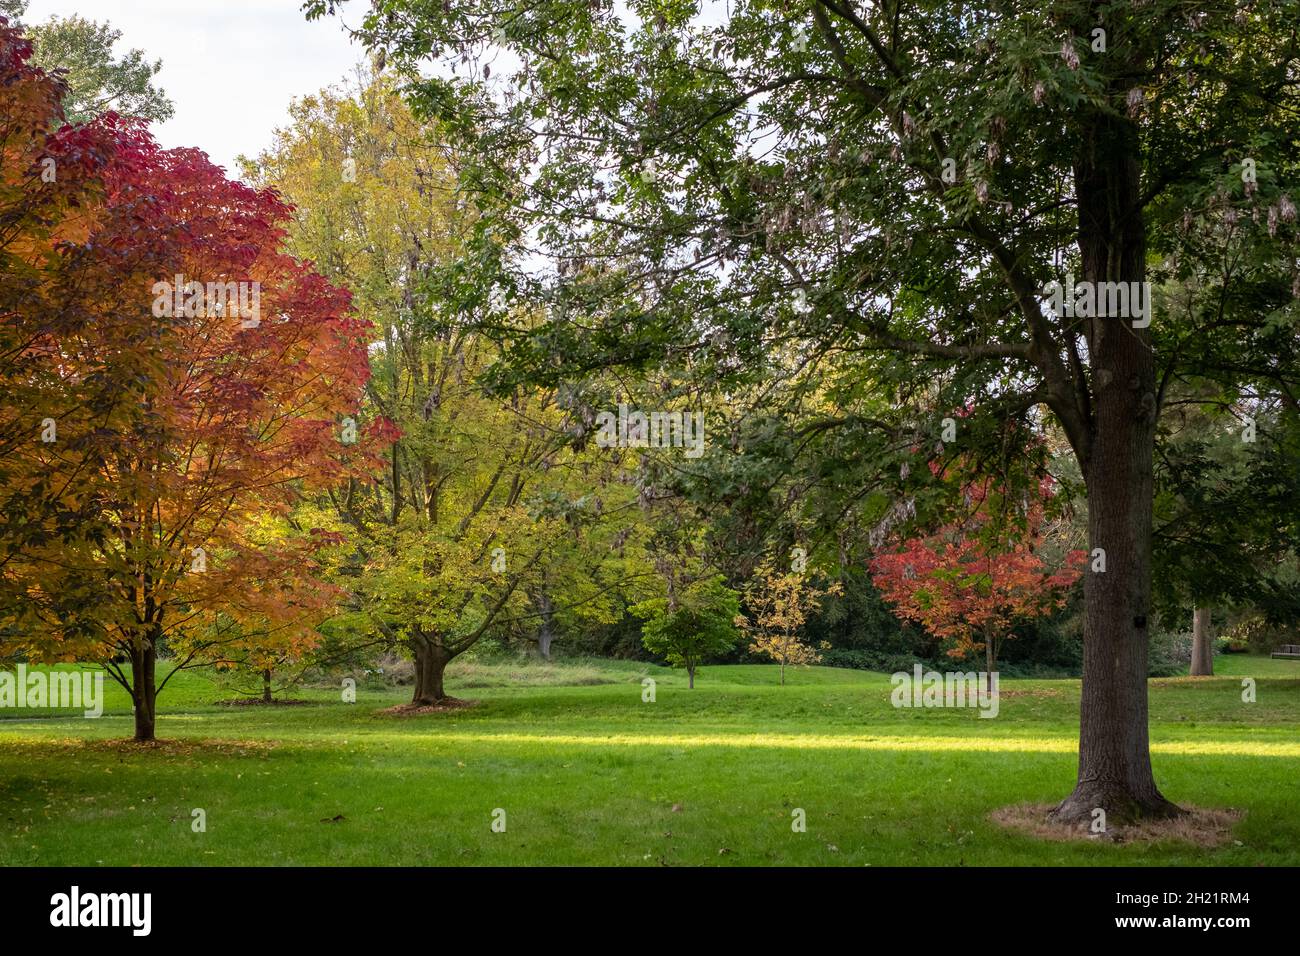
<point x="971" y="591"/>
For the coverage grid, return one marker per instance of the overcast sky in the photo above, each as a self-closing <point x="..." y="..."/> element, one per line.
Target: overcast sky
<point x="230" y="66"/>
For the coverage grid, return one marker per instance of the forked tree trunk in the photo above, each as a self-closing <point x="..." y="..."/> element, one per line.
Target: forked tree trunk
<point x="1115" y="772"/>
<point x="144" y="692"/>
<point x="1202" y="644"/>
<point x="430" y="662"/>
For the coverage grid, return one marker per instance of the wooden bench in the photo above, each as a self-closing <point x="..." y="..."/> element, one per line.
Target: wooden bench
<point x="1287" y="650"/>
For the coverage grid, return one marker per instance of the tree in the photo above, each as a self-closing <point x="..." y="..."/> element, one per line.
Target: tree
<point x="242" y="369"/>
<point x="96" y="82"/>
<point x="779" y="604"/>
<point x="1227" y="508"/>
<point x="482" y="503"/>
<point x="971" y="591"/>
<point x="691" y="624"/>
<point x="52" y="193"/>
<point x="902" y="180"/>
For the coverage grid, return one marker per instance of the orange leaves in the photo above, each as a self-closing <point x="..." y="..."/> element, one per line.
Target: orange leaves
<point x="243" y="407"/>
<point x="197" y="377"/>
<point x="966" y="591"/>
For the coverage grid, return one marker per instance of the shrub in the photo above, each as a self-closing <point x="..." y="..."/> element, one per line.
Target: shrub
<point x="1170" y="653"/>
<point x="889" y="662"/>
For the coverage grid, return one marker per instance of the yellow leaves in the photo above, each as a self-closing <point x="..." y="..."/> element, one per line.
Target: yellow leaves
<point x="780" y="604"/>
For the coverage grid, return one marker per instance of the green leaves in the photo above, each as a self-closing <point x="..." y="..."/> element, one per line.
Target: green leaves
<point x="696" y="623"/>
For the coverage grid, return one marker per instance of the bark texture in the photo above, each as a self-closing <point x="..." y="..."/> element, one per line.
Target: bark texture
<point x="431" y="661"/>
<point x="1202" y="644"/>
<point x="1114" y="754"/>
<point x="144" y="690"/>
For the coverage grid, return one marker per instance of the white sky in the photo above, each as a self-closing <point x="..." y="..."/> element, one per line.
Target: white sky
<point x="230" y="66"/>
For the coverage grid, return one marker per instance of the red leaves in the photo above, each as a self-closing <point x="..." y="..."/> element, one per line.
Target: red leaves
<point x="965" y="591"/>
<point x="190" y="430"/>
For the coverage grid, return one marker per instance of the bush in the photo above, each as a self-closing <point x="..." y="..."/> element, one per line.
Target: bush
<point x="860" y="620"/>
<point x="1170" y="653"/>
<point x="620" y="640"/>
<point x="889" y="662"/>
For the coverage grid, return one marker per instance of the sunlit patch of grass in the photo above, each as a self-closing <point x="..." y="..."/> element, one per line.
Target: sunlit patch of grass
<point x="811" y="741"/>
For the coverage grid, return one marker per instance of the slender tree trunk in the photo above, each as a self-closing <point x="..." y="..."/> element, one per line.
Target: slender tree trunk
<point x="990" y="660"/>
<point x="144" y="691"/>
<point x="690" y="676"/>
<point x="1202" y="644"/>
<point x="545" y="635"/>
<point x="266" y="686"/>
<point x="783" y="673"/>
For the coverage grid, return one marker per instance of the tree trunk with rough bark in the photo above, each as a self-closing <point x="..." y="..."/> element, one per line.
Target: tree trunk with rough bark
<point x="1202" y="644"/>
<point x="266" y="686"/>
<point x="1114" y="752"/>
<point x="144" y="692"/>
<point x="431" y="661"/>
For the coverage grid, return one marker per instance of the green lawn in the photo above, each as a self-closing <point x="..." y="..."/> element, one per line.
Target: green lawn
<point x="590" y="774"/>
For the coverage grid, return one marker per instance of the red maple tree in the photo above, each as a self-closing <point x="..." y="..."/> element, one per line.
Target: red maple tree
<point x="51" y="192"/>
<point x="970" y="587"/>
<point x="179" y="436"/>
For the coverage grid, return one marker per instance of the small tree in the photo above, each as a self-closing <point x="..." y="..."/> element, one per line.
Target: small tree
<point x="779" y="605"/>
<point x="970" y="588"/>
<point x="689" y="626"/>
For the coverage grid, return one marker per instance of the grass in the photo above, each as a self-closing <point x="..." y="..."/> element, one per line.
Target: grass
<point x="588" y="773"/>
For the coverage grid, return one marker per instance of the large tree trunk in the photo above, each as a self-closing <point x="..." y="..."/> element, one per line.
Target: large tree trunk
<point x="1114" y="750"/>
<point x="1114" y="753"/>
<point x="144" y="691"/>
<point x="1202" y="644"/>
<point x="266" y="686"/>
<point x="430" y="662"/>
